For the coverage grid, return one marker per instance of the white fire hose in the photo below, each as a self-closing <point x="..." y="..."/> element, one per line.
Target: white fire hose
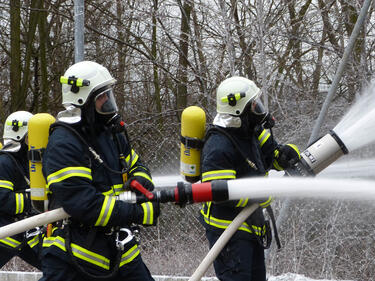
<point x="32" y="222"/>
<point x="222" y="241"/>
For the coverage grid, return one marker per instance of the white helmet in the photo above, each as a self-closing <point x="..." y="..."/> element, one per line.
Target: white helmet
<point x="82" y="79"/>
<point x="234" y="93"/>
<point x="16" y="125"/>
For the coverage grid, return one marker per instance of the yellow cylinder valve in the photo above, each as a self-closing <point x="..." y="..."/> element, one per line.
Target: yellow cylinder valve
<point x="38" y="132"/>
<point x="193" y="127"/>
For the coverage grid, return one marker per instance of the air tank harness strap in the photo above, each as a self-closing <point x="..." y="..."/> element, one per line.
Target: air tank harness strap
<point x="251" y="164"/>
<point x="90" y="240"/>
<point x="273" y="221"/>
<point x="89" y="148"/>
<point x="217" y="129"/>
<point x="191" y="142"/>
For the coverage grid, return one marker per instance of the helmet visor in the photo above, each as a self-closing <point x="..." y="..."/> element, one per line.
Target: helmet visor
<point x="105" y="102"/>
<point x="257" y="107"/>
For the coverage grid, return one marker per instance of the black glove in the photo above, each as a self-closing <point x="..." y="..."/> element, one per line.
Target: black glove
<point x="146" y="183"/>
<point x="27" y="207"/>
<point x="286" y="156"/>
<point x="147" y="213"/>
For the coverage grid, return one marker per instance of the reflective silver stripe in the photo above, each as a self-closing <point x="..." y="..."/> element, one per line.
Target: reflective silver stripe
<point x="143" y="174"/>
<point x="130" y="255"/>
<point x="33" y="241"/>
<point x="67" y="173"/>
<point x="118" y="188"/>
<point x="10" y="242"/>
<point x="19" y="203"/>
<point x="242" y="202"/>
<point x="224" y="224"/>
<point x="263" y="137"/>
<point x="147" y="213"/>
<point x="6" y="184"/>
<point x="131" y="158"/>
<point x="106" y="211"/>
<point x="267" y="202"/>
<point x="215" y="175"/>
<point x="78" y="251"/>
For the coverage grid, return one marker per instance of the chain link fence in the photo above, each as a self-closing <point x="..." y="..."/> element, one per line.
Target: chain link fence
<point x="321" y="239"/>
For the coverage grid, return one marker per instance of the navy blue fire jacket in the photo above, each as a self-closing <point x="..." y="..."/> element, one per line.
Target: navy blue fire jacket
<point x="85" y="188"/>
<point x="222" y="160"/>
<point x="14" y="203"/>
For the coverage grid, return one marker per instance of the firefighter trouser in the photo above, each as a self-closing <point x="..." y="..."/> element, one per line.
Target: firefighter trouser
<point x="240" y="260"/>
<point x="27" y="254"/>
<point x="56" y="269"/>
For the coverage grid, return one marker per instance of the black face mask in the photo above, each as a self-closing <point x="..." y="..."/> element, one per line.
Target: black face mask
<point x="113" y="122"/>
<point x="249" y="120"/>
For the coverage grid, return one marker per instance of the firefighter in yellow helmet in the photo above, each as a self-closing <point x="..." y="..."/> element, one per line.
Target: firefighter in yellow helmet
<point x="88" y="163"/>
<point x="239" y="144"/>
<point x="14" y="195"/>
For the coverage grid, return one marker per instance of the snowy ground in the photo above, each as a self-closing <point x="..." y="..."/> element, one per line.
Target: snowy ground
<point x="34" y="276"/>
<point x="294" y="277"/>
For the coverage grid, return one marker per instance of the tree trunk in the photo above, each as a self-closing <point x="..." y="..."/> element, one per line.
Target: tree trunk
<point x="181" y="98"/>
<point x="17" y="101"/>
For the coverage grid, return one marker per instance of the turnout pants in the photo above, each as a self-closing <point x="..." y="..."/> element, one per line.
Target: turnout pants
<point x="56" y="269"/>
<point x="26" y="253"/>
<point x="240" y="260"/>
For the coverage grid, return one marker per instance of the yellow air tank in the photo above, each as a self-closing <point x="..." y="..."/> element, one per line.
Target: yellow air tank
<point x="193" y="126"/>
<point x="38" y="138"/>
<point x="1" y="145"/>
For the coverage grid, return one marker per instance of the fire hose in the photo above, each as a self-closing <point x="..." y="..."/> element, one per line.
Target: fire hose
<point x="224" y="190"/>
<point x="222" y="241"/>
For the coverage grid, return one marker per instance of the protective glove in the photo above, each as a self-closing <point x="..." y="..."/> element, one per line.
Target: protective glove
<point x="286" y="156"/>
<point x="147" y="213"/>
<point x="145" y="182"/>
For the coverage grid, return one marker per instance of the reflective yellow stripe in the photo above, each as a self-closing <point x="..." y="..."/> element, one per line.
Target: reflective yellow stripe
<point x="295" y="149"/>
<point x="33" y="241"/>
<point x="19" y="203"/>
<point x="242" y="202"/>
<point x="6" y="184"/>
<point x="267" y="202"/>
<point x="10" y="242"/>
<point x="277" y="166"/>
<point x="115" y="190"/>
<point x="130" y="255"/>
<point x="106" y="211"/>
<point x="142" y="174"/>
<point x="223" y="224"/>
<point x="131" y="159"/>
<point x="263" y="137"/>
<point x="218" y="174"/>
<point x="78" y="252"/>
<point x="67" y="173"/>
<point x="148" y="213"/>
<point x="118" y="188"/>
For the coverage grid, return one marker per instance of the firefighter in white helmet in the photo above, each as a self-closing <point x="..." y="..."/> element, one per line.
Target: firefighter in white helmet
<point x="88" y="163"/>
<point x="15" y="203"/>
<point x="240" y="144"/>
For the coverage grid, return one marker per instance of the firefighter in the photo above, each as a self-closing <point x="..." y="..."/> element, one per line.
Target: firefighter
<point x="88" y="163"/>
<point x="15" y="202"/>
<point x="238" y="145"/>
